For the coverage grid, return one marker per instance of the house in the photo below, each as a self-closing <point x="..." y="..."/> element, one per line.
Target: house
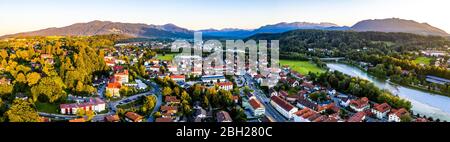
<point x="225" y="85"/>
<point x="223" y="116"/>
<point x="172" y="69"/>
<point x="133" y="117"/>
<point x="344" y="101"/>
<point x="78" y="120"/>
<point x="306" y="115"/>
<point x="380" y="111"/>
<point x="303" y="102"/>
<point x="96" y="105"/>
<point x="178" y="78"/>
<point x="122" y="77"/>
<point x="112" y="118"/>
<point x="200" y="114"/>
<point x="297" y="75"/>
<point x="293" y="82"/>
<point x="171" y="100"/>
<point x="282" y="106"/>
<point x="120" y="61"/>
<point x="114" y="89"/>
<point x="152" y="61"/>
<point x="256" y="107"/>
<point x="169" y="109"/>
<point x="273" y="92"/>
<point x="283" y="94"/>
<point x="307" y="85"/>
<point x="357" y="117"/>
<point x="396" y="115"/>
<point x="421" y="120"/>
<point x="283" y="75"/>
<point x="332" y="92"/>
<point x="331" y="106"/>
<point x="360" y="105"/>
<point x="154" y="68"/>
<point x="48" y="58"/>
<point x="5" y="80"/>
<point x="163" y="120"/>
<point x="213" y="78"/>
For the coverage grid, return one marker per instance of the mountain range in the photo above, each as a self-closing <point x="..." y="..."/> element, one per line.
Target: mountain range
<point x="173" y="31"/>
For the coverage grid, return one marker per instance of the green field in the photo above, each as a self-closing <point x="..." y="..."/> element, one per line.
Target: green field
<point x="167" y="57"/>
<point x="422" y="60"/>
<point x="303" y="67"/>
<point x="47" y="107"/>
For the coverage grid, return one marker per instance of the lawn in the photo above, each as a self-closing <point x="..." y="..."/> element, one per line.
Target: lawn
<point x="422" y="60"/>
<point x="303" y="67"/>
<point x="47" y="107"/>
<point x="167" y="57"/>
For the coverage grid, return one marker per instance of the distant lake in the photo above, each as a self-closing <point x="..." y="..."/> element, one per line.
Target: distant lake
<point x="424" y="103"/>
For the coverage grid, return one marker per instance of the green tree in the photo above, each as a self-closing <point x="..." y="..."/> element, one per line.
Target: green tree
<point x="51" y="87"/>
<point x="5" y="89"/>
<point x="166" y="91"/>
<point x="22" y="111"/>
<point x="149" y="104"/>
<point x="33" y="78"/>
<point x="21" y="78"/>
<point x="405" y="118"/>
<point x="79" y="87"/>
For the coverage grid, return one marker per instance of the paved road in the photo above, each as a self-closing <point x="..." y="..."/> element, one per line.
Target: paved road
<point x="156" y="91"/>
<point x="112" y="106"/>
<point x="259" y="94"/>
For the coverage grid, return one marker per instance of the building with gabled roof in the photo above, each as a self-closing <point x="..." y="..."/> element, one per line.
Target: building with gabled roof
<point x="282" y="106"/>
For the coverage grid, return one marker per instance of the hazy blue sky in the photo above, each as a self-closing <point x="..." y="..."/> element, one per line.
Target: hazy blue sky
<point x="26" y="15"/>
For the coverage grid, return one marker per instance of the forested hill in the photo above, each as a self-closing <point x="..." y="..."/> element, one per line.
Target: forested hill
<point x="302" y="40"/>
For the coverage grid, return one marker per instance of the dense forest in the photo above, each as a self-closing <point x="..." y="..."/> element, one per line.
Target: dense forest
<point x="47" y="69"/>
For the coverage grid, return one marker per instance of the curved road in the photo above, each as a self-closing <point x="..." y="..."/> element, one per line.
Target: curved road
<point x="112" y="106"/>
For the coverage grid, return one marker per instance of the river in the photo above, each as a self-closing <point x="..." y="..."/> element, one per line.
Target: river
<point x="426" y="103"/>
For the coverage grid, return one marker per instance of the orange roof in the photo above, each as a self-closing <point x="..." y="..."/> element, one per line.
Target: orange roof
<point x="224" y="83"/>
<point x="112" y="118"/>
<point x="78" y="120"/>
<point x="400" y="112"/>
<point x="177" y="76"/>
<point x="360" y="103"/>
<point x="133" y="116"/>
<point x="114" y="85"/>
<point x="163" y="120"/>
<point x="255" y="104"/>
<point x="382" y="108"/>
<point x="171" y="99"/>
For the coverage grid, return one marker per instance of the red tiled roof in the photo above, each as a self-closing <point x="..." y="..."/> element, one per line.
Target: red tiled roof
<point x="360" y="103"/>
<point x="177" y="76"/>
<point x="133" y="116"/>
<point x="400" y="112"/>
<point x="382" y="108"/>
<point x="171" y="99"/>
<point x="78" y="120"/>
<point x="309" y="85"/>
<point x="283" y="93"/>
<point x="112" y="118"/>
<point x="163" y="120"/>
<point x="358" y="117"/>
<point x="114" y="85"/>
<point x="223" y="116"/>
<point x="224" y="83"/>
<point x="255" y="104"/>
<point x="282" y="103"/>
<point x="168" y="108"/>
